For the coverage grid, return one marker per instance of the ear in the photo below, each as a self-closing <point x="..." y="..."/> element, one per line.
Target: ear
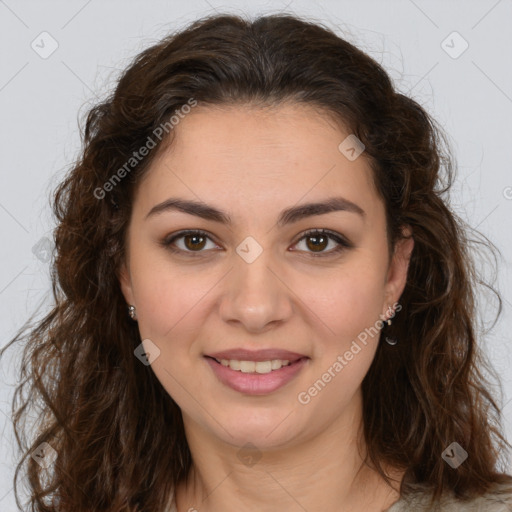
<point x="397" y="272"/>
<point x="126" y="283"/>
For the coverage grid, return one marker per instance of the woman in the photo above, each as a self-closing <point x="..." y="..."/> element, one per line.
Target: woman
<point x="263" y="301"/>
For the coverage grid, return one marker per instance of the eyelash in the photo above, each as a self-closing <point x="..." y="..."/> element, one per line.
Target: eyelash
<point x="344" y="244"/>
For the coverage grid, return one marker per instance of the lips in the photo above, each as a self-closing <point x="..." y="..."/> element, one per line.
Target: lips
<point x="240" y="354"/>
<point x="257" y="383"/>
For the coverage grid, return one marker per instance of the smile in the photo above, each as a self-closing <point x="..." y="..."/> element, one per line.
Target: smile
<point x="254" y="366"/>
<point x="255" y="377"/>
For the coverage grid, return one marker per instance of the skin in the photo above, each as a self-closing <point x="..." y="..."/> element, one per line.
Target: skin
<point x="254" y="163"/>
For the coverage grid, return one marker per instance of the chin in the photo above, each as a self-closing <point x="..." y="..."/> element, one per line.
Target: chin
<point x="266" y="433"/>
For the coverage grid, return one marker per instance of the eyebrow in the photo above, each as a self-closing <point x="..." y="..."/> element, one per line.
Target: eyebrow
<point x="287" y="216"/>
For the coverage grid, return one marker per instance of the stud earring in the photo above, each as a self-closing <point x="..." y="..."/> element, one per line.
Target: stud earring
<point x="132" y="312"/>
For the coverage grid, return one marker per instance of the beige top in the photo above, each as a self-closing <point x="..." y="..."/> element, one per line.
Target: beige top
<point x="499" y="499"/>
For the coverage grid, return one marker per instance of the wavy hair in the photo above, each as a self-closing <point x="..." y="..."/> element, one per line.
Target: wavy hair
<point x="107" y="416"/>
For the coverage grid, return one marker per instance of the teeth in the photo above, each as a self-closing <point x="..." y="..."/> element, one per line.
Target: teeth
<point x="253" y="366"/>
<point x="247" y="366"/>
<point x="235" y="365"/>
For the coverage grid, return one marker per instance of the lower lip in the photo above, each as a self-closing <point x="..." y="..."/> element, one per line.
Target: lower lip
<point x="256" y="383"/>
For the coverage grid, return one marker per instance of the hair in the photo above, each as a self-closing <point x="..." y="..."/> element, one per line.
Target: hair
<point x="107" y="416"/>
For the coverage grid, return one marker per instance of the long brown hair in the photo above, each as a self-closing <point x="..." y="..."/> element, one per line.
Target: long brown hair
<point x="108" y="417"/>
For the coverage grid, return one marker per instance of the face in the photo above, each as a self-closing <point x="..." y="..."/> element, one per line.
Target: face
<point x="250" y="277"/>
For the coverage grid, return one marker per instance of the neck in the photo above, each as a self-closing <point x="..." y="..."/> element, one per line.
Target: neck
<point x="324" y="472"/>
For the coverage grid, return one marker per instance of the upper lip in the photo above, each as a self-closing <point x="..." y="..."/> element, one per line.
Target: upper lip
<point x="240" y="354"/>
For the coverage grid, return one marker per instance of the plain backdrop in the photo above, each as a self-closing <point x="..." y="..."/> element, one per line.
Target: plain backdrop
<point x="58" y="58"/>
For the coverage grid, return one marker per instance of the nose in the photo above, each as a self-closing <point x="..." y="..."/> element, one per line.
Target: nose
<point x="256" y="295"/>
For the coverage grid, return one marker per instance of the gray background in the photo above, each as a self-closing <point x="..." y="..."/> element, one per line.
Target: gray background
<point x="469" y="93"/>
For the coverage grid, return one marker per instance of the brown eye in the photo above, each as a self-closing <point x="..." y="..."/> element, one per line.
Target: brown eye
<point x="194" y="242"/>
<point x="190" y="242"/>
<point x="316" y="241"/>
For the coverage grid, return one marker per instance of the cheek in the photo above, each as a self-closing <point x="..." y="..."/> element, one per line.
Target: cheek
<point x="346" y="301"/>
<point x="170" y="301"/>
<point x="171" y="314"/>
<point x="348" y="308"/>
<point x="162" y="292"/>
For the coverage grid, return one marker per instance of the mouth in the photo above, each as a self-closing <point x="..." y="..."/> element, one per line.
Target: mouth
<point x="261" y="367"/>
<point x="256" y="377"/>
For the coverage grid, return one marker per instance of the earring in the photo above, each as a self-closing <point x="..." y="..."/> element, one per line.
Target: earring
<point x="132" y="313"/>
<point x="390" y="340"/>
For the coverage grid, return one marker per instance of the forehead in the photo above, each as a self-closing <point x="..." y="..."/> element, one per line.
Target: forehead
<point x="257" y="157"/>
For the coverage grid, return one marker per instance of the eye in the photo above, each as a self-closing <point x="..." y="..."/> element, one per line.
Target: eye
<point x="193" y="241"/>
<point x="318" y="240"/>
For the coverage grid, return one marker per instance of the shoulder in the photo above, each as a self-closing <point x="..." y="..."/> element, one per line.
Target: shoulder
<point x="497" y="499"/>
